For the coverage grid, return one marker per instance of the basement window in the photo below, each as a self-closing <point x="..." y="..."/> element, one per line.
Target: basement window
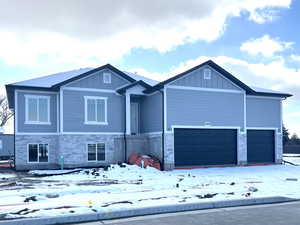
<point x="96" y="152"/>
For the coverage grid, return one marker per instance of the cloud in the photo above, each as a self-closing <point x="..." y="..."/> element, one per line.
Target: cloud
<point x="86" y="32"/>
<point x="265" y="46"/>
<point x="295" y="57"/>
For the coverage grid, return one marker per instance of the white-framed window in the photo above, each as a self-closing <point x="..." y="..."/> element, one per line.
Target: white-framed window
<point x="95" y="110"/>
<point x="106" y="78"/>
<point x="96" y="152"/>
<point x="37" y="109"/>
<point x="207" y="74"/>
<point x="38" y="153"/>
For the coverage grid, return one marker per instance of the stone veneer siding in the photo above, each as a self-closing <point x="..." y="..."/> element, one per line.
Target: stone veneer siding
<point x="21" y="150"/>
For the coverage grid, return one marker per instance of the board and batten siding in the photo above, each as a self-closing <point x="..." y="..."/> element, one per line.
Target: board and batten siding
<point x="36" y="128"/>
<point x="196" y="79"/>
<point x="74" y="112"/>
<point x="151" y="113"/>
<point x="95" y="81"/>
<point x="200" y="108"/>
<point x="263" y="112"/>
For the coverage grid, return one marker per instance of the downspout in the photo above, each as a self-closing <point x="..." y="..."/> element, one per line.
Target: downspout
<point x="14" y="156"/>
<point x="124" y="136"/>
<point x="163" y="131"/>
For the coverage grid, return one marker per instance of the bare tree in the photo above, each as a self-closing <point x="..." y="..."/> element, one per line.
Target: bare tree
<point x="5" y="112"/>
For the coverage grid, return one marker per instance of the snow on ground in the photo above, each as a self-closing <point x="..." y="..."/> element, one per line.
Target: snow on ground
<point x="4" y="176"/>
<point x="292" y="158"/>
<point x="128" y="187"/>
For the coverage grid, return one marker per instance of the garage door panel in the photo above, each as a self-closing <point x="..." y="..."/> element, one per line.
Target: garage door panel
<point x="205" y="146"/>
<point x="260" y="146"/>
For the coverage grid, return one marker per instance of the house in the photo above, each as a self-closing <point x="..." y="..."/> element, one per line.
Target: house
<point x="91" y="117"/>
<point x="6" y="146"/>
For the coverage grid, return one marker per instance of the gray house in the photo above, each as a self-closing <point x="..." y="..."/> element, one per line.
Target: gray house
<point x="91" y="117"/>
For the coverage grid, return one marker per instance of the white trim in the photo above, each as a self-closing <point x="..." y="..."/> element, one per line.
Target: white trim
<point x="28" y="133"/>
<point x="263" y="97"/>
<point x="86" y="121"/>
<point x="245" y="113"/>
<point x="37" y="97"/>
<point x="205" y="127"/>
<point x="37" y="92"/>
<point x="165" y="110"/>
<point x="204" y="89"/>
<point x="57" y="113"/>
<point x="89" y="89"/>
<point x="205" y="66"/>
<point x="16" y="112"/>
<point x="87" y="152"/>
<point x="61" y="110"/>
<point x="128" y="116"/>
<point x="281" y="115"/>
<point x="38" y="153"/>
<point x="93" y="133"/>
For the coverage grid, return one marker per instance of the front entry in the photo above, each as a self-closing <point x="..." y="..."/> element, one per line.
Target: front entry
<point x="134" y="117"/>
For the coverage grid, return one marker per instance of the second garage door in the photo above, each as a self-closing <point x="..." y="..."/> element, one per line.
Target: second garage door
<point x="260" y="146"/>
<point x="201" y="147"/>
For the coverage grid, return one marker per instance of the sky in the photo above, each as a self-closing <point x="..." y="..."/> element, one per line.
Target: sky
<point x="256" y="40"/>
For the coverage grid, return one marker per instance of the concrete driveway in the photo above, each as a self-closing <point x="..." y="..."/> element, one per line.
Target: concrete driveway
<point x="273" y="214"/>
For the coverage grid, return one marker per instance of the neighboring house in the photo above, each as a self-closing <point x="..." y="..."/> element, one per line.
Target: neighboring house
<point x="6" y="146"/>
<point x="92" y="117"/>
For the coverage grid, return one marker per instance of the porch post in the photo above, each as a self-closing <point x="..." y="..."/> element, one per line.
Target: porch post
<point x="128" y="116"/>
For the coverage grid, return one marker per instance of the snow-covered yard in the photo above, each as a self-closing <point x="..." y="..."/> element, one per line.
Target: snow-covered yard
<point x="97" y="190"/>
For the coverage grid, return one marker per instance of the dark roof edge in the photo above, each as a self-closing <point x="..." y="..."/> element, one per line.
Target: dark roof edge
<point x="107" y="66"/>
<point x="140" y="82"/>
<point x="225" y="73"/>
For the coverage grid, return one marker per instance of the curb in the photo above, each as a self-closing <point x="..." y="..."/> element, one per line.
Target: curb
<point x="145" y="211"/>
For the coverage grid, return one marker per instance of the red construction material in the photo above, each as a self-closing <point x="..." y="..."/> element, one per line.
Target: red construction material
<point x="144" y="161"/>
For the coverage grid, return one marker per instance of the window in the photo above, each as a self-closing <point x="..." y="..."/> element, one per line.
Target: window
<point x="38" y="152"/>
<point x="95" y="110"/>
<point x="207" y="74"/>
<point x="96" y="152"/>
<point x="1" y="144"/>
<point x="37" y="109"/>
<point x="106" y="78"/>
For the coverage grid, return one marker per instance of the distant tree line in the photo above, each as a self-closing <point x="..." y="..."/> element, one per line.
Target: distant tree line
<point x="293" y="140"/>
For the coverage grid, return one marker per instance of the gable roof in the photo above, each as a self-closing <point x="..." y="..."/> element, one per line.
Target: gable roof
<point x="140" y="82"/>
<point x="249" y="90"/>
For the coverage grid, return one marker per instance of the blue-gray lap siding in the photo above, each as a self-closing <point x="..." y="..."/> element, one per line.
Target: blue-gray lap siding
<point x="96" y="81"/>
<point x="151" y="113"/>
<point x="36" y="128"/>
<point x="263" y="112"/>
<point x="196" y="79"/>
<point x="7" y="145"/>
<point x="73" y="112"/>
<point x="196" y="108"/>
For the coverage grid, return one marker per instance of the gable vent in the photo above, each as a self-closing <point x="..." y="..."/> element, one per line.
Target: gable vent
<point x="106" y="78"/>
<point x="207" y="74"/>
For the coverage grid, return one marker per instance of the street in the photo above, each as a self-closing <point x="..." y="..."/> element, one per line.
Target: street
<point x="273" y="214"/>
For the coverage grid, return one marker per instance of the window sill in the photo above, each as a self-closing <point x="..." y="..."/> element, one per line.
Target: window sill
<point x="37" y="123"/>
<point x="95" y="123"/>
<point x="37" y="162"/>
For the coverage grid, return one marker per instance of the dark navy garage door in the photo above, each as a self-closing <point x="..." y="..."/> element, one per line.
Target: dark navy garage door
<point x="260" y="146"/>
<point x="201" y="147"/>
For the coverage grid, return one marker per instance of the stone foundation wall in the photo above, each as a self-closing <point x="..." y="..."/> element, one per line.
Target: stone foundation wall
<point x="21" y="151"/>
<point x="242" y="149"/>
<point x="278" y="148"/>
